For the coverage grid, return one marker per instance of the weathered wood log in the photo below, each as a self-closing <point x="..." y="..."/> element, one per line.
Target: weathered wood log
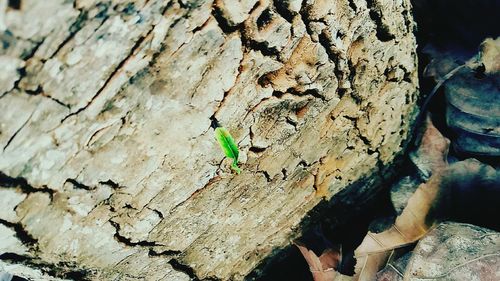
<point x="109" y="162"/>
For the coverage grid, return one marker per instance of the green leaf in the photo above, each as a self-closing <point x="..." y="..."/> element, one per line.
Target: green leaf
<point x="228" y="145"/>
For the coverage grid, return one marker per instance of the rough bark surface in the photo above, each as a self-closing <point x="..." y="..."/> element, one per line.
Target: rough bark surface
<point x="109" y="167"/>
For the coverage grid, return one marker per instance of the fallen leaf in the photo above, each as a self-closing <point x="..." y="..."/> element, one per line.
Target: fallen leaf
<point x="429" y="157"/>
<point x="324" y="267"/>
<point x="433" y="150"/>
<point x="455" y="251"/>
<point x="431" y="203"/>
<point x="395" y="270"/>
<point x="377" y="249"/>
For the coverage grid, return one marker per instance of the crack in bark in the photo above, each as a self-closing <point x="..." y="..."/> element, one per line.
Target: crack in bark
<point x="354" y="122"/>
<point x="157" y="212"/>
<point x="63" y="270"/>
<point x="213" y="119"/>
<point x="21" y="233"/>
<point x="266" y="175"/>
<point x="282" y="10"/>
<point x="55" y="100"/>
<point x="122" y="63"/>
<point x="73" y="29"/>
<point x="214" y="123"/>
<point x="284" y="172"/>
<point x="79" y="185"/>
<point x="291" y="122"/>
<point x="17" y="131"/>
<point x="22" y="183"/>
<point x="112" y="184"/>
<point x="262" y="47"/>
<point x="127" y="241"/>
<point x="177" y="265"/>
<point x="309" y="92"/>
<point x="22" y="70"/>
<point x="222" y="22"/>
<point x="325" y="43"/>
<point x="352" y="5"/>
<point x="40" y="92"/>
<point x="382" y="31"/>
<point x="167" y="253"/>
<point x="31" y="54"/>
<point x="367" y="143"/>
<point x="257" y="150"/>
<point x="116" y="71"/>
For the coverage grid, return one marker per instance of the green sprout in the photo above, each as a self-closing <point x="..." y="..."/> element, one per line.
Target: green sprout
<point x="229" y="147"/>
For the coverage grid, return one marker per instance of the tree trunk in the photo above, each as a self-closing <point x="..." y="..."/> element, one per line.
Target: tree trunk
<point x="110" y="169"/>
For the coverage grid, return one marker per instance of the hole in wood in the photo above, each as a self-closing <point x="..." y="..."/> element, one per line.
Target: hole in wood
<point x="15" y="4"/>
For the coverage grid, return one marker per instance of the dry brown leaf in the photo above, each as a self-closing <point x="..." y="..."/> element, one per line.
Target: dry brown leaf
<point x="378" y="248"/>
<point x="324" y="267"/>
<point x="431" y="203"/>
<point x="413" y="223"/>
<point x="394" y="271"/>
<point x="433" y="150"/>
<point x="455" y="251"/>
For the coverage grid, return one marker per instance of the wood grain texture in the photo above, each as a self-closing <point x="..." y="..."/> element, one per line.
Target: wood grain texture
<point x="106" y="139"/>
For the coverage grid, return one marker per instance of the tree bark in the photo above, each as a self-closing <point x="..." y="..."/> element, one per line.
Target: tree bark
<point x="110" y="169"/>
